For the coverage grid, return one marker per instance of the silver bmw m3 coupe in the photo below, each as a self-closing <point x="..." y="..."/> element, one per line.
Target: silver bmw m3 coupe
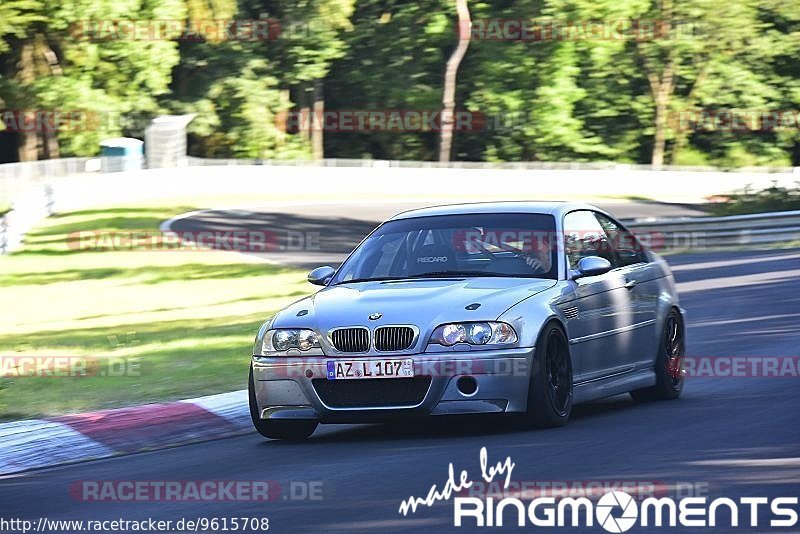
<point x="519" y="308"/>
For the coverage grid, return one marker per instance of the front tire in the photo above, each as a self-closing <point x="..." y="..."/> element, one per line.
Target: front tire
<point x="288" y="430"/>
<point x="550" y="389"/>
<point x="669" y="363"/>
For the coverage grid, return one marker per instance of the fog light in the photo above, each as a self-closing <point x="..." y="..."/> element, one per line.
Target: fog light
<point x="467" y="385"/>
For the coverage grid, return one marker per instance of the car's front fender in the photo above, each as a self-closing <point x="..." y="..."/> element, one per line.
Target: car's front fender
<point x="529" y="316"/>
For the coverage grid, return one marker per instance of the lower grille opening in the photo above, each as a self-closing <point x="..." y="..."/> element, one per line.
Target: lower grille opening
<point x="371" y="393"/>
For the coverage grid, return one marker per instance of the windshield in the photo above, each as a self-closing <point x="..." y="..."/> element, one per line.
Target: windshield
<point x="486" y="244"/>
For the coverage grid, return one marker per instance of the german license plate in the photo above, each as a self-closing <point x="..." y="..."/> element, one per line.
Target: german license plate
<point x="359" y="369"/>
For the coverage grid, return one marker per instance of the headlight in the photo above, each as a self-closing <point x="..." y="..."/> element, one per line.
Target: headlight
<point x="285" y="339"/>
<point x="452" y="334"/>
<point x="479" y="333"/>
<point x="307" y="339"/>
<point x="483" y="333"/>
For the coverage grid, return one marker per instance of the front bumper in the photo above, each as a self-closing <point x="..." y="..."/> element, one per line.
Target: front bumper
<point x="297" y="388"/>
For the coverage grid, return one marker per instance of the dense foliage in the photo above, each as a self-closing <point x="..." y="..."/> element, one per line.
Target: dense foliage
<point x="579" y="97"/>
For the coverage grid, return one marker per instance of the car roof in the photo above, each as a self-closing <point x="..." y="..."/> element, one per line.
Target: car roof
<point x="513" y="206"/>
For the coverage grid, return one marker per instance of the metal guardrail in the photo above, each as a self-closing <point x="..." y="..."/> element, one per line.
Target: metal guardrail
<point x="716" y="232"/>
<point x="530" y="165"/>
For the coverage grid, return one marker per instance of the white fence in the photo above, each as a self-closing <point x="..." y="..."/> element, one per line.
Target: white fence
<point x="28" y="189"/>
<point x="36" y="190"/>
<point x="527" y="165"/>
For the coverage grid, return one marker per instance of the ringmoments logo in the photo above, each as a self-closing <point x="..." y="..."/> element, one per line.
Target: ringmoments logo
<point x="614" y="511"/>
<point x="624" y="505"/>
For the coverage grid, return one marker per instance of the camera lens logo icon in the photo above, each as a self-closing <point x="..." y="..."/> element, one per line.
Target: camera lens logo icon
<point x="616" y="511"/>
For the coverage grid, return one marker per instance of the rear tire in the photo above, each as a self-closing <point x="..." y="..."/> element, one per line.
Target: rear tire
<point x="669" y="363"/>
<point x="550" y="389"/>
<point x="288" y="430"/>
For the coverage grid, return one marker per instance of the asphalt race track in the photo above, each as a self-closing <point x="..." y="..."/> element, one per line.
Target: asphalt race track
<point x="727" y="436"/>
<point x="340" y="227"/>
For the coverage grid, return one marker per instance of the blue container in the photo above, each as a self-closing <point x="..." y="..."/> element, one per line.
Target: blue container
<point x="121" y="154"/>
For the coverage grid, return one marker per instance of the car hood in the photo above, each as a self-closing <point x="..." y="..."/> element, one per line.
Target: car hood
<point x="425" y="303"/>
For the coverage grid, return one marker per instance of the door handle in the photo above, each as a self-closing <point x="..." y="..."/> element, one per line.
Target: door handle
<point x="630" y="284"/>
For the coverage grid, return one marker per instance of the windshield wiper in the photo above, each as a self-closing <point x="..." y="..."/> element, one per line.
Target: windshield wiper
<point x="375" y="279"/>
<point x="431" y="275"/>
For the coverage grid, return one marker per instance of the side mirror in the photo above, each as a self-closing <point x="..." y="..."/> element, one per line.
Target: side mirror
<point x="591" y="266"/>
<point x="321" y="275"/>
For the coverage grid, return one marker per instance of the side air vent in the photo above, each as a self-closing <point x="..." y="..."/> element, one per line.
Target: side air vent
<point x="571" y="312"/>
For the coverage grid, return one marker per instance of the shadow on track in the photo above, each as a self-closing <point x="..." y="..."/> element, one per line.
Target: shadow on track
<point x="458" y="426"/>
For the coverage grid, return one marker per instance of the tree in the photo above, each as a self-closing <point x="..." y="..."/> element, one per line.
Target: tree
<point x="394" y="61"/>
<point x="15" y="17"/>
<point x="573" y="97"/>
<point x="311" y="38"/>
<point x="450" y="77"/>
<point x="56" y="64"/>
<point x="692" y="45"/>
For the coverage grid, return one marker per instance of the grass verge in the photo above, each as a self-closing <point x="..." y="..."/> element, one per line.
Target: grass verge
<point x="160" y="325"/>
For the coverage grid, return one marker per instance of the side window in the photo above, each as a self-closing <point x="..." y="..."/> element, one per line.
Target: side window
<point x="628" y="248"/>
<point x="584" y="236"/>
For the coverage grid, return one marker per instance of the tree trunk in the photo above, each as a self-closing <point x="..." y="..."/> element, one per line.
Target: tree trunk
<point x="450" y="75"/>
<point x="49" y="139"/>
<point x="681" y="134"/>
<point x="306" y="120"/>
<point x="26" y="73"/>
<point x="662" y="85"/>
<point x="317" y="138"/>
<point x="50" y="145"/>
<point x="660" y="136"/>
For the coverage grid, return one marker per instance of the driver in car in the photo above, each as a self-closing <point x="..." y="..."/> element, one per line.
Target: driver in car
<point x="537" y="255"/>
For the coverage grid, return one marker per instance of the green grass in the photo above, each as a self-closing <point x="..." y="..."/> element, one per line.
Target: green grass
<point x="747" y="200"/>
<point x="183" y="320"/>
